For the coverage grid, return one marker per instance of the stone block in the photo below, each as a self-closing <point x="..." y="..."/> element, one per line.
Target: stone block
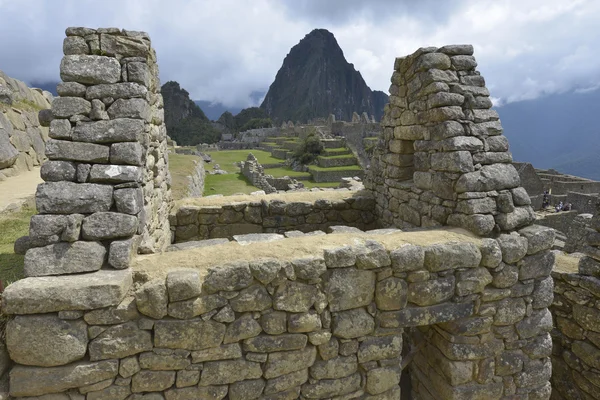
<point x="130" y="108"/>
<point x="380" y="348"/>
<point x="453" y="161"/>
<point x="232" y="276"/>
<point x="391" y="294"/>
<point x="452" y="255"/>
<point x="151" y="299"/>
<point x="340" y="257"/>
<point x="304" y="322"/>
<point x="56" y="171"/>
<point x="268" y="344"/>
<point x="431" y="292"/>
<point x="407" y="258"/>
<point x="38" y="381"/>
<point x="183" y="284"/>
<point x="196" y="392"/>
<point x="421" y="316"/>
<point x="329" y="388"/>
<point x="539" y="238"/>
<point x="124" y="312"/>
<point x="115" y="130"/>
<point x="472" y="281"/>
<point x="510" y="311"/>
<point x="90" y="69"/>
<point x="520" y="217"/>
<point x="274" y="322"/>
<point x="165" y="360"/>
<point x="189" y="335"/>
<point x="351" y="324"/>
<point x="77" y="151"/>
<point x="230" y="371"/>
<point x="246" y="390"/>
<point x="152" y="381"/>
<point x="45" y="229"/>
<point x="120" y="341"/>
<point x="129" y="200"/>
<point x="45" y="340"/>
<point x="335" y="368"/>
<point x="242" y="328"/>
<point x="187" y="309"/>
<point x="536" y="266"/>
<point x="108" y="225"/>
<point x="69" y="89"/>
<point x="282" y="383"/>
<point x="491" y="253"/>
<point x="224" y="352"/>
<point x="121" y="252"/>
<point x="115" y="173"/>
<point x="294" y="296"/>
<point x="380" y="380"/>
<point x="129" y="153"/>
<point x="64" y="258"/>
<point x="100" y="289"/>
<point x="73" y="198"/>
<point x="121" y="90"/>
<point x="309" y="267"/>
<point x="285" y="362"/>
<point x="350" y="288"/>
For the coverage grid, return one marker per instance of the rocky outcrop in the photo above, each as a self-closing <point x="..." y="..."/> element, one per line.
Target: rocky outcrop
<point x="315" y="81"/>
<point x="22" y="138"/>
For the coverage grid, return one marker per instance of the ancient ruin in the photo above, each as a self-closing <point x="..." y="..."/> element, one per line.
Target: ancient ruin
<point x="253" y="302"/>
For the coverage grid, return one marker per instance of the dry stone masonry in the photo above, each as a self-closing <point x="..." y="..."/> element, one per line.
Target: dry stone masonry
<point x="107" y="189"/>
<point x="470" y="315"/>
<point x="443" y="159"/>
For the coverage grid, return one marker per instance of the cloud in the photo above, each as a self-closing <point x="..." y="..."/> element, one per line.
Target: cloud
<point x="225" y="50"/>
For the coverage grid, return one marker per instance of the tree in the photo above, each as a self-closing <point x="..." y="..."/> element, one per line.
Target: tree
<point x="310" y="148"/>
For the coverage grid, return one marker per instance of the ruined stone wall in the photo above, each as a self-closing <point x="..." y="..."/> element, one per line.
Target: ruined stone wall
<point x="22" y="137"/>
<point x="254" y="172"/>
<point x="443" y="159"/>
<point x="333" y="176"/>
<point x="270" y="216"/>
<point x="196" y="186"/>
<point x="313" y="327"/>
<point x="576" y="338"/>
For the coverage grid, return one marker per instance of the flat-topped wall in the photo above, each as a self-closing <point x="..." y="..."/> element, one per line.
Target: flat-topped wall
<point x="272" y="215"/>
<point x="318" y="325"/>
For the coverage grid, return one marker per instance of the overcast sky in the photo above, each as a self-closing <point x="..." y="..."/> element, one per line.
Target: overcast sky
<point x="222" y="50"/>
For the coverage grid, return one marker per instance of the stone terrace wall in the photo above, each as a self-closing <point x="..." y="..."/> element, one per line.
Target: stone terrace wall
<point x="107" y="190"/>
<point x="270" y="216"/>
<point x="22" y="138"/>
<point x="576" y="309"/>
<point x="255" y="173"/>
<point x="444" y="160"/>
<point x="316" y="327"/>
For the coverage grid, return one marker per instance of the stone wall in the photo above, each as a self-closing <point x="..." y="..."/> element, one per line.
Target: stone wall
<point x="270" y="216"/>
<point x="576" y="338"/>
<point x="443" y="159"/>
<point x="22" y="138"/>
<point x="196" y="187"/>
<point x="320" y="175"/>
<point x="584" y="203"/>
<point x="314" y="327"/>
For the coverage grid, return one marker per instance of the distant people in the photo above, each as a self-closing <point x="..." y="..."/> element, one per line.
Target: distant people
<point x="567" y="207"/>
<point x="546" y="199"/>
<point x="559" y="207"/>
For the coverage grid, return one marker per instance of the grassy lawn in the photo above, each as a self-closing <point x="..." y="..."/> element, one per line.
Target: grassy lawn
<point x="285" y="171"/>
<point x="12" y="226"/>
<point x="180" y="166"/>
<point x="227" y="158"/>
<point x="227" y="185"/>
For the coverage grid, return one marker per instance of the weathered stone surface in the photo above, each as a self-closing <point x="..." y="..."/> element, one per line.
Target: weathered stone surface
<point x="120" y="341"/>
<point x="246" y="390"/>
<point x="65" y="107"/>
<point x="431" y="291"/>
<point x="350" y="288"/>
<point x="151" y="299"/>
<point x="294" y="296"/>
<point x="407" y="258"/>
<point x="108" y="225"/>
<point x="72" y="198"/>
<point x="121" y="252"/>
<point x="115" y="173"/>
<point x="266" y="269"/>
<point x="152" y="381"/>
<point x="77" y="151"/>
<point x="509" y="311"/>
<point x="285" y="382"/>
<point x="64" y="258"/>
<point x="8" y="153"/>
<point x="352" y="323"/>
<point x="420" y="316"/>
<point x="36" y="381"/>
<point x="304" y="322"/>
<point x="114" y="130"/>
<point x="488" y="178"/>
<point x="391" y="294"/>
<point x="45" y="340"/>
<point x="491" y="253"/>
<point x="380" y="380"/>
<point x="90" y="69"/>
<point x="520" y="217"/>
<point x="124" y="312"/>
<point x="372" y="255"/>
<point x="189" y="335"/>
<point x="48" y="229"/>
<point x="536" y="266"/>
<point x="131" y="153"/>
<point x="334" y="368"/>
<point x="187" y="309"/>
<point x="232" y="276"/>
<point x="309" y="267"/>
<point x="281" y="363"/>
<point x="242" y="328"/>
<point x="129" y="200"/>
<point x="274" y="322"/>
<point x="183" y="284"/>
<point x="130" y="108"/>
<point x="224" y="352"/>
<point x="441" y="257"/>
<point x="122" y="90"/>
<point x="73" y="89"/>
<point x="472" y="281"/>
<point x="189" y="393"/>
<point x="254" y="298"/>
<point x="225" y="372"/>
<point x="163" y="361"/>
<point x="55" y="171"/>
<point x="379" y="348"/>
<point x="539" y="238"/>
<point x="268" y="344"/>
<point x="112" y="392"/>
<point x="78" y="292"/>
<point x="328" y="388"/>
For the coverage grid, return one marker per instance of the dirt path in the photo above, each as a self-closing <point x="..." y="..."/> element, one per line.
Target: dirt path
<point x="18" y="190"/>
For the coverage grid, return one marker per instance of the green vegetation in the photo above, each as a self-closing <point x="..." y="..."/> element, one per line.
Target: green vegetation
<point x="338" y="156"/>
<point x="286" y="171"/>
<point x="192" y="131"/>
<point x="257" y="123"/>
<point x="346" y="168"/>
<point x="227" y="185"/>
<point x="227" y="158"/>
<point x="248" y="114"/>
<point x="12" y="226"/>
<point x="310" y="148"/>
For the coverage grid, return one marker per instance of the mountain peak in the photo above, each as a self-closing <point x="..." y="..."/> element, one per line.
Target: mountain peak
<point x="316" y="80"/>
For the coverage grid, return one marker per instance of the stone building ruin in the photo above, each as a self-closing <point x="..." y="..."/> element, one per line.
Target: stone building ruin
<point x="327" y="316"/>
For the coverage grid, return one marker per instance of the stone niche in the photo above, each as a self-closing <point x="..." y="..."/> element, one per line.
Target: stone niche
<point x="443" y="159"/>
